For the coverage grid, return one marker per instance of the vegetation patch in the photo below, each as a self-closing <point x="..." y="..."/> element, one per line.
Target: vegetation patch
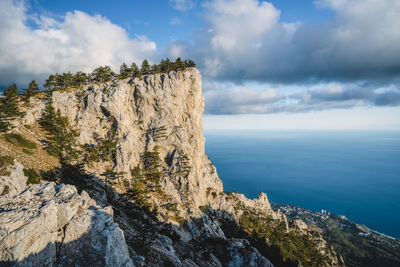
<point x="18" y="140"/>
<point x="5" y="161"/>
<point x="272" y="238"/>
<point x="27" y="151"/>
<point x="105" y="150"/>
<point x="61" y="139"/>
<point x="33" y="176"/>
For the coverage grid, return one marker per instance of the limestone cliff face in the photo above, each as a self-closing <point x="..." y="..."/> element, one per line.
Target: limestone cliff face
<point x="157" y="113"/>
<point x="161" y="112"/>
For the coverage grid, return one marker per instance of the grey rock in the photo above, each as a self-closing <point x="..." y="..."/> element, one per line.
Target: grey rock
<point x="53" y="225"/>
<point x="15" y="181"/>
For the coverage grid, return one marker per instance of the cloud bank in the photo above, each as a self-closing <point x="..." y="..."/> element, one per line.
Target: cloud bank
<point x="353" y="59"/>
<point x="246" y="40"/>
<point x="233" y="99"/>
<point x="74" y="42"/>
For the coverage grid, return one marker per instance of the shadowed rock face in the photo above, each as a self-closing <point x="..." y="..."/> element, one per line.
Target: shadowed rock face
<point x="52" y="225"/>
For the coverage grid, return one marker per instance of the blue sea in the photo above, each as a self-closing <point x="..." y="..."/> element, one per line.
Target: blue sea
<point x="356" y="174"/>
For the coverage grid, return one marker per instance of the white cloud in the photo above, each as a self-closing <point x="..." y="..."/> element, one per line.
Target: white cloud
<point x="342" y="60"/>
<point x="182" y="5"/>
<point x="246" y="40"/>
<point x="77" y="41"/>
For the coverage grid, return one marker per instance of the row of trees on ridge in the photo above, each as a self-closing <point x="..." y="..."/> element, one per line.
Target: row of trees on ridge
<point x="105" y="73"/>
<point x="9" y="108"/>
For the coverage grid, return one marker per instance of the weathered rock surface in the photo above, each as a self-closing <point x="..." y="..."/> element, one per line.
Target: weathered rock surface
<point x="15" y="180"/>
<point x="53" y="225"/>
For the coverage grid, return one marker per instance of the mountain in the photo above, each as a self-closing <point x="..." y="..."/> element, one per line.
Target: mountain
<point x="116" y="173"/>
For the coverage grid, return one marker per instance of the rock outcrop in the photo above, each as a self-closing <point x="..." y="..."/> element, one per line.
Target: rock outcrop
<point x="167" y="197"/>
<point x="14" y="181"/>
<point x="53" y="225"/>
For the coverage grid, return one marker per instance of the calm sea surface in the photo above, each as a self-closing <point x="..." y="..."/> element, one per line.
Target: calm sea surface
<point x="356" y="174"/>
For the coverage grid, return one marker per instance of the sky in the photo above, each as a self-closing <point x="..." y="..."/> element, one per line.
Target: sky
<point x="279" y="64"/>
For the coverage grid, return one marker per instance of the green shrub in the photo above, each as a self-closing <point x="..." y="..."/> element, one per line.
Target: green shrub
<point x="33" y="176"/>
<point x="105" y="150"/>
<point x="18" y="140"/>
<point x="27" y="126"/>
<point x="27" y="151"/>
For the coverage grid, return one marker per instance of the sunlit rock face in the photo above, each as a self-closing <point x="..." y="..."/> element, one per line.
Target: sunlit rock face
<point x="53" y="225"/>
<point x="160" y="112"/>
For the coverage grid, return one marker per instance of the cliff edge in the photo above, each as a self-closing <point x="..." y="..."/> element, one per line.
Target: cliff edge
<point x="136" y="146"/>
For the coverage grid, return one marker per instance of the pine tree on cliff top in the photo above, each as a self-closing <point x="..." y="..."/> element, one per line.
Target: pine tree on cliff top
<point x="145" y="69"/>
<point x="32" y="90"/>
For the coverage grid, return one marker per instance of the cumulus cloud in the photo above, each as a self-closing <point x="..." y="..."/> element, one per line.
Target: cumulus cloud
<point x="246" y="40"/>
<point x="342" y="61"/>
<point x="182" y="5"/>
<point x="74" y="42"/>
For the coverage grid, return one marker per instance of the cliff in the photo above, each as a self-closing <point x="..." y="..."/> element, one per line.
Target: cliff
<point x="138" y="150"/>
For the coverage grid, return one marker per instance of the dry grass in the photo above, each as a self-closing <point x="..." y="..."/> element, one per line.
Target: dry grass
<point x="38" y="158"/>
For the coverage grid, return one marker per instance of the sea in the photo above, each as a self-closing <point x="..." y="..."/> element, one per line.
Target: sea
<point x="351" y="173"/>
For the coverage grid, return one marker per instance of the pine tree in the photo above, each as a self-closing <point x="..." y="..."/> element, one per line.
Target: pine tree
<point x="155" y="68"/>
<point x="110" y="178"/>
<point x="79" y="79"/>
<point x="61" y="139"/>
<point x="124" y="71"/>
<point x="145" y="68"/>
<point x="32" y="90"/>
<point x="9" y="109"/>
<point x="191" y="64"/>
<point x="102" y="74"/>
<point x="152" y="166"/>
<point x="50" y="83"/>
<point x="178" y="64"/>
<point x="138" y="189"/>
<point x="135" y="70"/>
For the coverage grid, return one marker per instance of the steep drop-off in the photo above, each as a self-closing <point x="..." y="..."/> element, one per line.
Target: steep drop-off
<point x="142" y="147"/>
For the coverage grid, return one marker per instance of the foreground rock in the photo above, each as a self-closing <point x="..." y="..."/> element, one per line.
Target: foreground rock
<point x="53" y="225"/>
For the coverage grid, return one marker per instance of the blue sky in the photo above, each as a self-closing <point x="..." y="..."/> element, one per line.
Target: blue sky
<point x="279" y="64"/>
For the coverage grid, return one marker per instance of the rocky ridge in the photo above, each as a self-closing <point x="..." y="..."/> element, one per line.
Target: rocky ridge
<point x="188" y="219"/>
